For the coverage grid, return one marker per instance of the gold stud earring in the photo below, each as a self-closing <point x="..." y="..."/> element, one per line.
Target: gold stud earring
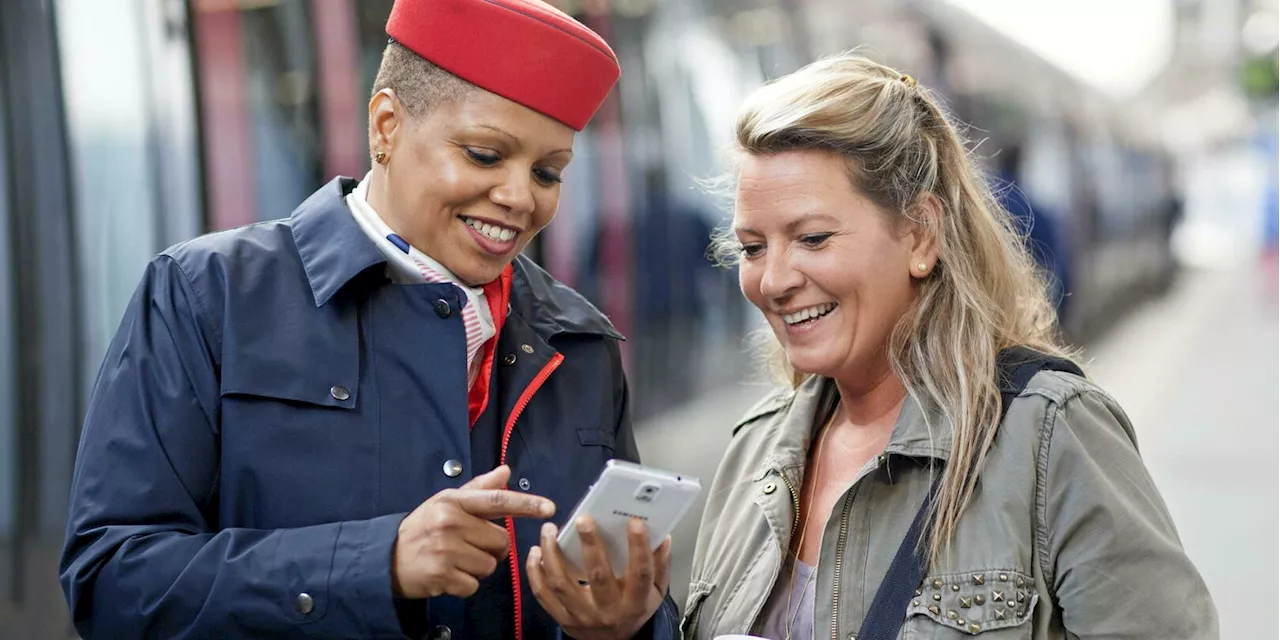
<point x="380" y="157"/>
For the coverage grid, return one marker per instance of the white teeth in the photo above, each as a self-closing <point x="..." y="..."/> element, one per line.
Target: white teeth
<point x="495" y="233"/>
<point x="816" y="311"/>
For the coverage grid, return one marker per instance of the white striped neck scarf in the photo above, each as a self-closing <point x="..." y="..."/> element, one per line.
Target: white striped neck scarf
<point x="407" y="265"/>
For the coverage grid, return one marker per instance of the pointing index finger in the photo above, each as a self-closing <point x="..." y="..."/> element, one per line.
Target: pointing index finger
<point x="497" y="503"/>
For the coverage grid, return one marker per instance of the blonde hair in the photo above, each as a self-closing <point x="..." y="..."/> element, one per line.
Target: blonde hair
<point x="984" y="295"/>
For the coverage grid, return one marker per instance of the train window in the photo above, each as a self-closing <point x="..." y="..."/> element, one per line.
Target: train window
<point x="371" y="20"/>
<point x="114" y="133"/>
<point x="257" y="75"/>
<point x="8" y="385"/>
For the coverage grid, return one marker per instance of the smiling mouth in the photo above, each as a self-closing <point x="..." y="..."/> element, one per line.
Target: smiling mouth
<point x="809" y="314"/>
<point x="491" y="231"/>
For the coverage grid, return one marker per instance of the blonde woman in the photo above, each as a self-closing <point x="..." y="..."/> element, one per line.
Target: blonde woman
<point x="900" y="302"/>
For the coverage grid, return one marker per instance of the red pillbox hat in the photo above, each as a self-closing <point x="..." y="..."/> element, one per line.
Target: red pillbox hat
<point x="523" y="50"/>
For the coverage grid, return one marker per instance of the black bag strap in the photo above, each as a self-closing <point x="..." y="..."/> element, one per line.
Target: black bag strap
<point x="1016" y="366"/>
<point x="1014" y="369"/>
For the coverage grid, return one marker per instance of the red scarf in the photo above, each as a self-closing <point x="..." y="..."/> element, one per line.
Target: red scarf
<point x="498" y="295"/>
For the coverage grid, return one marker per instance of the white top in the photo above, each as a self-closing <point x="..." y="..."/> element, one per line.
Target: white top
<point x="779" y="618"/>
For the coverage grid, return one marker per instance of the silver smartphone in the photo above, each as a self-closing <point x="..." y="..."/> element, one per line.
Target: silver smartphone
<point x="623" y="491"/>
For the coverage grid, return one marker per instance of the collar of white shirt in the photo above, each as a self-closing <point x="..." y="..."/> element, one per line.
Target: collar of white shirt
<point x="403" y="259"/>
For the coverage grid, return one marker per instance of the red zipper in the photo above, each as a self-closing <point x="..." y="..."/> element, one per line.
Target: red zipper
<point x="514" y="555"/>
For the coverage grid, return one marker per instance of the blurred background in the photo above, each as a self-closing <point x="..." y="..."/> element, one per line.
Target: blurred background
<point x="1140" y="138"/>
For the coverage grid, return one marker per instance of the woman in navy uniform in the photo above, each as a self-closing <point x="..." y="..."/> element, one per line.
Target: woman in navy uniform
<point x="352" y="423"/>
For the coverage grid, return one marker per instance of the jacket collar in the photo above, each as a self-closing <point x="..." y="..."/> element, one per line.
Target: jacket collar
<point x="918" y="434"/>
<point x="799" y="413"/>
<point x="334" y="250"/>
<point x="550" y="307"/>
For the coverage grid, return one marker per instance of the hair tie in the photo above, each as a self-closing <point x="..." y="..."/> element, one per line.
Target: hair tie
<point x="911" y="82"/>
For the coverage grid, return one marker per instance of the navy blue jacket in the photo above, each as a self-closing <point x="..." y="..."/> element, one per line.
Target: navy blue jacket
<point x="272" y="407"/>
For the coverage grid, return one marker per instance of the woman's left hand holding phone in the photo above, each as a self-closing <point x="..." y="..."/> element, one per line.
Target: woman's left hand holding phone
<point x="607" y="607"/>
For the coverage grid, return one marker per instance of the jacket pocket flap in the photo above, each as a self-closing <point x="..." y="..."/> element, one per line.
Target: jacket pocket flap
<point x="698" y="593"/>
<point x="596" y="438"/>
<point x="325" y="382"/>
<point x="976" y="601"/>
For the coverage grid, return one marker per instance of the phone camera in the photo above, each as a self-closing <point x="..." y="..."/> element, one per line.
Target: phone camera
<point x="647" y="492"/>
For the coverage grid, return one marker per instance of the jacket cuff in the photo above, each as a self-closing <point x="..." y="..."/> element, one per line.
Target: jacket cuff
<point x="664" y="625"/>
<point x="358" y="600"/>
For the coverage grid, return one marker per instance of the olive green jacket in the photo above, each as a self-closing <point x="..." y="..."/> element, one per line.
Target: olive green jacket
<point x="1066" y="536"/>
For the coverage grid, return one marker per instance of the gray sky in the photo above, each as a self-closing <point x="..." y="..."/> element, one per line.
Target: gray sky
<point x="1115" y="45"/>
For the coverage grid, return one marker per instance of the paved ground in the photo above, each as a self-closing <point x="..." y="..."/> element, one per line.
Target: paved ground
<point x="1197" y="373"/>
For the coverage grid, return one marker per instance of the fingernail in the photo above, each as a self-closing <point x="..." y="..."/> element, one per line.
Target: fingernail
<point x="584" y="525"/>
<point x="636" y="525"/>
<point x="548" y="530"/>
<point x="547" y="509"/>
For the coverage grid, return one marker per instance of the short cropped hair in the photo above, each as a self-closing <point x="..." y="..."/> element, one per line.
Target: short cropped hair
<point x="419" y="83"/>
